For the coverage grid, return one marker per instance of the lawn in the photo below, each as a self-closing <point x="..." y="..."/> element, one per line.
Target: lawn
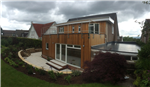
<point x="13" y="78"/>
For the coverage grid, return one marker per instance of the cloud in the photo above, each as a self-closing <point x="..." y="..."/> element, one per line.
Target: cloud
<point x="21" y="13"/>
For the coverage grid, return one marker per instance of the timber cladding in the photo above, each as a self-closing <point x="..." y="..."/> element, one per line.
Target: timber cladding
<point x="84" y="28"/>
<point x="73" y="39"/>
<point x="84" y="39"/>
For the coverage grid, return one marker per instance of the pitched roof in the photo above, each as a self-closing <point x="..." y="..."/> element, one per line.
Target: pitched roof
<point x="8" y="31"/>
<point x="112" y="15"/>
<point x="41" y="28"/>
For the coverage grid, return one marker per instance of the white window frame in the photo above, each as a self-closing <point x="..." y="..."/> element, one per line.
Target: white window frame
<point x="72" y="29"/>
<point x="46" y="46"/>
<point x="79" y="29"/>
<point x="65" y="53"/>
<point x="61" y="29"/>
<point x="112" y="29"/>
<point x="94" y="28"/>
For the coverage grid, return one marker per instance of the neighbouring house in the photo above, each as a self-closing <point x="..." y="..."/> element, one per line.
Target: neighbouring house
<point x="146" y="31"/>
<point x="15" y="33"/>
<point x="74" y="39"/>
<point x="37" y="30"/>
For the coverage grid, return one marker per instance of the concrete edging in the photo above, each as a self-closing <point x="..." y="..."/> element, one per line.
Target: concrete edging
<point x="19" y="54"/>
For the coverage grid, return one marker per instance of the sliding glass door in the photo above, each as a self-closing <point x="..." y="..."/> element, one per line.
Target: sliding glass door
<point x="70" y="54"/>
<point x="63" y="51"/>
<point x="58" y="51"/>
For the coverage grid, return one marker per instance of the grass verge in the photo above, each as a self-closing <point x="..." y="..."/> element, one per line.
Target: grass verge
<point x="13" y="78"/>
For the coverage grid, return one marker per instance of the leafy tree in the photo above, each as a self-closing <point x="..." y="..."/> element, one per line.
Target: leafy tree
<point x="146" y="2"/>
<point x="129" y="39"/>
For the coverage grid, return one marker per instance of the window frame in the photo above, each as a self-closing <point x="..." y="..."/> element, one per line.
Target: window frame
<point x="79" y="29"/>
<point x="112" y="29"/>
<point x="47" y="46"/>
<point x="73" y="29"/>
<point x="61" y="29"/>
<point x="93" y="25"/>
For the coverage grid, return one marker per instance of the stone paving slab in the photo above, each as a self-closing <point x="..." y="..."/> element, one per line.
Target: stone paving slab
<point x="37" y="60"/>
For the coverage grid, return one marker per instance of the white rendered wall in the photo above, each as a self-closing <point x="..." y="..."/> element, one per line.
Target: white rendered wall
<point x="52" y="30"/>
<point x="32" y="33"/>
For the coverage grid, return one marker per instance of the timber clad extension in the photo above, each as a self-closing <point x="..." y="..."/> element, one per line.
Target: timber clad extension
<point x="74" y="39"/>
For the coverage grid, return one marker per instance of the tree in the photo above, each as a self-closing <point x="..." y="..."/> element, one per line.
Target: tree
<point x="146" y="2"/>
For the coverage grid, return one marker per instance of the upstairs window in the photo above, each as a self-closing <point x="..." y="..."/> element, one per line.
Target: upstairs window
<point x="79" y="29"/>
<point x="61" y="30"/>
<point x="94" y="28"/>
<point x="72" y="29"/>
<point x="47" y="46"/>
<point x="112" y="29"/>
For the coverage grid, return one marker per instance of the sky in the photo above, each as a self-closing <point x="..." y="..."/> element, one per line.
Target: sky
<point x="19" y="14"/>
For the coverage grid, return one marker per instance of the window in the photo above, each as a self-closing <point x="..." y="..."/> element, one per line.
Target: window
<point x="47" y="46"/>
<point x="70" y="54"/>
<point x="61" y="30"/>
<point x="79" y="29"/>
<point x="112" y="29"/>
<point x="72" y="29"/>
<point x="94" y="28"/>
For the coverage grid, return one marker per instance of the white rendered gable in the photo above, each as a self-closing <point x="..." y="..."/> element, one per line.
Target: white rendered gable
<point x="32" y="33"/>
<point x="52" y="29"/>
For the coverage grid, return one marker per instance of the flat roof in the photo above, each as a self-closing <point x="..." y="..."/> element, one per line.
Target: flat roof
<point x="125" y="47"/>
<point x="107" y="18"/>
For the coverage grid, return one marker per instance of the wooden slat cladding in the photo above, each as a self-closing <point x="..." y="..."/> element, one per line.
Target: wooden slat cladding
<point x="97" y="39"/>
<point x="74" y="39"/>
<point x="68" y="28"/>
<point x="102" y="27"/>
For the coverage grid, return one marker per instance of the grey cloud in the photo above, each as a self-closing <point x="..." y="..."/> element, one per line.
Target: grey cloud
<point x="30" y="6"/>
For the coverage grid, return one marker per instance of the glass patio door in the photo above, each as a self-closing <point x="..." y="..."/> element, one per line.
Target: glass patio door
<point x="61" y="52"/>
<point x="58" y="51"/>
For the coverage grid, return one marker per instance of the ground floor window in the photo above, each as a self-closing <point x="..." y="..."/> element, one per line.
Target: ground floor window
<point x="47" y="46"/>
<point x="70" y="54"/>
<point x="74" y="56"/>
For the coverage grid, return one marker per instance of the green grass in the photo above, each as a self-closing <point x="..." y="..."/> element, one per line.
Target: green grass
<point x="13" y="78"/>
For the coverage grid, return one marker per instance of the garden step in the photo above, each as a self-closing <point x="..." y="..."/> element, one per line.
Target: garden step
<point x="54" y="66"/>
<point x="58" y="63"/>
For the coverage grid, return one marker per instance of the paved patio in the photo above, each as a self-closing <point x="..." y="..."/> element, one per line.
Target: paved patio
<point x="37" y="60"/>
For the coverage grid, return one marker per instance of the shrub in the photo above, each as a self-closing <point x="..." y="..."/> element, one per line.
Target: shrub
<point x="105" y="67"/>
<point x="67" y="78"/>
<point x="42" y="71"/>
<point x="29" y="69"/>
<point x="36" y="69"/>
<point x="76" y="73"/>
<point x="48" y="59"/>
<point x="143" y="64"/>
<point x="143" y="78"/>
<point x="59" y="74"/>
<point x="52" y="75"/>
<point x="144" y="52"/>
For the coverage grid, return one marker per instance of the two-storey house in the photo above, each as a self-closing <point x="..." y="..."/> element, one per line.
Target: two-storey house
<point x="74" y="39"/>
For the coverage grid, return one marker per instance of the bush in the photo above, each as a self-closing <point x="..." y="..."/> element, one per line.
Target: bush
<point x="143" y="78"/>
<point x="105" y="67"/>
<point x="144" y="52"/>
<point x="42" y="71"/>
<point x="76" y="73"/>
<point x="22" y="42"/>
<point x="52" y="75"/>
<point x="143" y="66"/>
<point x="67" y="78"/>
<point x="48" y="59"/>
<point x="29" y="69"/>
<point x="59" y="74"/>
